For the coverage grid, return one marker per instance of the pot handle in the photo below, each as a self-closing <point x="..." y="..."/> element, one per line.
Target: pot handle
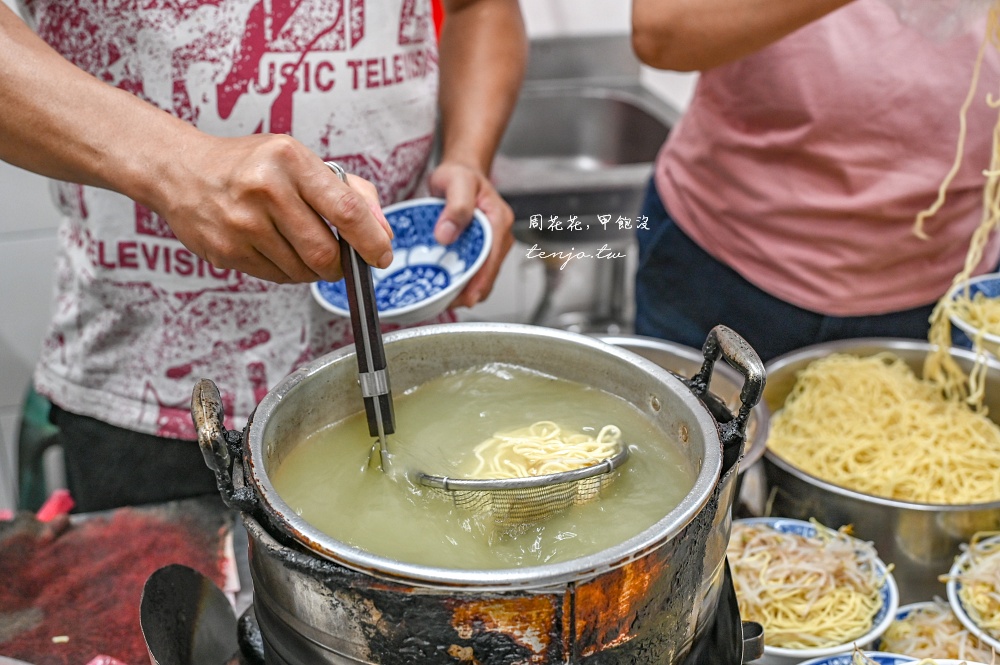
<point x="753" y="641"/>
<point x="221" y="448"/>
<point x="723" y="341"/>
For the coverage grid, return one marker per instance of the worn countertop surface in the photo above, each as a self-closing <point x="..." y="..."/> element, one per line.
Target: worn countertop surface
<point x="72" y="587"/>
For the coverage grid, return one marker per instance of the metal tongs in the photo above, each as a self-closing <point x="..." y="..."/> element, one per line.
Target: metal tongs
<point x="372" y="372"/>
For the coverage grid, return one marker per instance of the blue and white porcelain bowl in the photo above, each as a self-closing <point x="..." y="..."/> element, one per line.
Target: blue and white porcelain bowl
<point x="425" y="276"/>
<point x="925" y="606"/>
<point x="954" y="585"/>
<point x="963" y="332"/>
<point x="901" y="614"/>
<point x="877" y="657"/>
<point x="885" y="616"/>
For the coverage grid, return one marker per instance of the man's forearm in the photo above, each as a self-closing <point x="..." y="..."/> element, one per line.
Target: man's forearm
<point x="483" y="55"/>
<point x="59" y="121"/>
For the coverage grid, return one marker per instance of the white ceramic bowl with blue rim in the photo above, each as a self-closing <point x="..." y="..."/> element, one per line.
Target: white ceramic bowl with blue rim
<point x="963" y="332"/>
<point x="901" y="614"/>
<point x="425" y="276"/>
<point x="877" y="657"/>
<point x="954" y="585"/>
<point x="883" y="618"/>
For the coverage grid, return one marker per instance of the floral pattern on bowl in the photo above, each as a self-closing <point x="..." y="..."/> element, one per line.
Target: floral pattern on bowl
<point x="424" y="276"/>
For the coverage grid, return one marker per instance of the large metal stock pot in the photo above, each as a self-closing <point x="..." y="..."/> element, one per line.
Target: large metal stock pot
<point x="920" y="540"/>
<point x="645" y="600"/>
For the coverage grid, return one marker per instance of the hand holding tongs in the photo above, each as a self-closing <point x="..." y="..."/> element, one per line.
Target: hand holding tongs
<point x="372" y="372"/>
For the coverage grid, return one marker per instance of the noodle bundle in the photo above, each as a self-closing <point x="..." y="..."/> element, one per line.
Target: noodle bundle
<point x="542" y="448"/>
<point x="806" y="592"/>
<point x="980" y="582"/>
<point x="870" y="425"/>
<point x="939" y="366"/>
<point x="933" y="631"/>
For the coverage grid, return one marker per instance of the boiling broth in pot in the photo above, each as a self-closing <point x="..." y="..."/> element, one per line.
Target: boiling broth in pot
<point x="327" y="478"/>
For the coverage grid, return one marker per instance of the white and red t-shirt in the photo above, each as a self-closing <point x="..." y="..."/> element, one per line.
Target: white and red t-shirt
<point x="803" y="166"/>
<point x="138" y="318"/>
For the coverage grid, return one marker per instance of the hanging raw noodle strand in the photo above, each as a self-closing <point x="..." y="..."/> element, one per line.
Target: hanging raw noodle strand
<point x="940" y="367"/>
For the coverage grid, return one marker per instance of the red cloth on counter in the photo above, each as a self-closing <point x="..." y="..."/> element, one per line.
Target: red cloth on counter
<point x="86" y="583"/>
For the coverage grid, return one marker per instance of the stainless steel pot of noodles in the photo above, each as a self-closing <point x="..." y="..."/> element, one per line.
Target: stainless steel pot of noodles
<point x="919" y="539"/>
<point x="323" y="598"/>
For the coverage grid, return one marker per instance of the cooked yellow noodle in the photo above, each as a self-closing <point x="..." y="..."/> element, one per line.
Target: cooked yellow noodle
<point x="979" y="311"/>
<point x="869" y="424"/>
<point x="542" y="448"/>
<point x="939" y="366"/>
<point x="858" y="657"/>
<point x="805" y="592"/>
<point x="933" y="631"/>
<point x="980" y="581"/>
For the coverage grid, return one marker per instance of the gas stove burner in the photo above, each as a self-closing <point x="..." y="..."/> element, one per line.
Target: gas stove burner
<point x="727" y="641"/>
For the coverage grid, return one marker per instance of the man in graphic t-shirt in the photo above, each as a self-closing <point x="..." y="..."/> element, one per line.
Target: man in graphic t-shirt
<point x="186" y="142"/>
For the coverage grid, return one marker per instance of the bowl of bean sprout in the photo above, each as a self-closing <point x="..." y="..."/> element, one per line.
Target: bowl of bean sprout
<point x="816" y="591"/>
<point x="973" y="585"/>
<point x="930" y="629"/>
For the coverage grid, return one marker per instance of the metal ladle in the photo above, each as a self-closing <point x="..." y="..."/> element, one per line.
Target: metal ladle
<point x="186" y="619"/>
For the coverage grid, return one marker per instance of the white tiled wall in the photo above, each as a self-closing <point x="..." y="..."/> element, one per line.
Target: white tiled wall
<point x="28" y="221"/>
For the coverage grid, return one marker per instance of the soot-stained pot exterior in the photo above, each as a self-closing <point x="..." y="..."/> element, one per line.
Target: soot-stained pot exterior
<point x="645" y="600"/>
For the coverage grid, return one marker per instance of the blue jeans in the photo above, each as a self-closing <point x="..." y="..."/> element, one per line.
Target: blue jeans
<point x="682" y="292"/>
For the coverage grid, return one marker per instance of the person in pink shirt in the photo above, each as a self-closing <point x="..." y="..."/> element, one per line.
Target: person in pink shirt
<point x="783" y="202"/>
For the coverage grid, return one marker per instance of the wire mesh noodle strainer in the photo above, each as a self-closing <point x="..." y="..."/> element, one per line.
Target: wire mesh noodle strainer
<point x="513" y="502"/>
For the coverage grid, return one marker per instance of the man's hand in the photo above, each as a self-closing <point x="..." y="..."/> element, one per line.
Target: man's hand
<point x="465" y="189"/>
<point x="260" y="204"/>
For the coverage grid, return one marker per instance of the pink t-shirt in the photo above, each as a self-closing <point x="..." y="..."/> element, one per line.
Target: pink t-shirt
<point x="138" y="318"/>
<point x="803" y="166"/>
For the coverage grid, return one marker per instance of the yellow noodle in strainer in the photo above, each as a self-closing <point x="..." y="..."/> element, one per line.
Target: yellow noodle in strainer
<point x="540" y="449"/>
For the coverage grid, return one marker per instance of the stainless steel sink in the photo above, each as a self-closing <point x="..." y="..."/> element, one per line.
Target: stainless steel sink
<point x="581" y="145"/>
<point x="582" y="139"/>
